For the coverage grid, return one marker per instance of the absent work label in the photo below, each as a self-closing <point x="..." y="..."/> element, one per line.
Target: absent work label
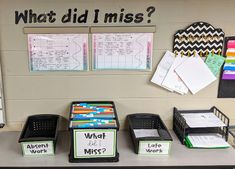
<point x="38" y="148"/>
<point x="154" y="147"/>
<point x="94" y="143"/>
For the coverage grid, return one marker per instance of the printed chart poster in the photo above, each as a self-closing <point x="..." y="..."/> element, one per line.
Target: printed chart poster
<point x="131" y="51"/>
<point x="58" y="52"/>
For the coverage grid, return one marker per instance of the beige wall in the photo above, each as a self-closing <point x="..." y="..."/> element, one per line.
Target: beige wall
<point x="29" y="93"/>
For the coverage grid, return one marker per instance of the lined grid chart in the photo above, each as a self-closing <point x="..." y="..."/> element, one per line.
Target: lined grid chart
<point x="58" y="52"/>
<point x="131" y="51"/>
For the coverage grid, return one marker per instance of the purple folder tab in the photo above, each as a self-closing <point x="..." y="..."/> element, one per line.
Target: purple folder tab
<point x="228" y="75"/>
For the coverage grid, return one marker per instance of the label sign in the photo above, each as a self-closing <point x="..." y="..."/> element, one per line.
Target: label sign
<point x="38" y="148"/>
<point x="94" y="143"/>
<point x="154" y="147"/>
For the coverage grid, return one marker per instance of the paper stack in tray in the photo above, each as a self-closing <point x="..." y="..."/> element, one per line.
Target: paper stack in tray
<point x="229" y="66"/>
<point x="208" y="140"/>
<point x="204" y="140"/>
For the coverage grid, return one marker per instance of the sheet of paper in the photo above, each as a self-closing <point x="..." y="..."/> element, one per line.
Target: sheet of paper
<point x="214" y="62"/>
<point x="146" y="133"/>
<point x="131" y="51"/>
<point x="208" y="141"/>
<point x="195" y="120"/>
<point x="172" y="80"/>
<point x="195" y="74"/>
<point x="229" y="66"/>
<point x="230" y="60"/>
<point x="58" y="52"/>
<point x="163" y="67"/>
<point x="231" y="44"/>
<point x="230" y="52"/>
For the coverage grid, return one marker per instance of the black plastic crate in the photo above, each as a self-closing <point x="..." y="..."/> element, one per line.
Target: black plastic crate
<point x="40" y="131"/>
<point x="147" y="121"/>
<point x="182" y="130"/>
<point x="77" y="159"/>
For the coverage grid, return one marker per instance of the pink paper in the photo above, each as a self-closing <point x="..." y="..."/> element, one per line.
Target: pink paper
<point x="231" y="44"/>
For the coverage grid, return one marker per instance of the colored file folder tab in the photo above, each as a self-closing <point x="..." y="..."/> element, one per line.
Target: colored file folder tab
<point x="90" y="111"/>
<point x="230" y="60"/>
<point x="229" y="66"/>
<point x="94" y="123"/>
<point x="228" y="75"/>
<point x="230" y="52"/>
<point x="231" y="44"/>
<point x="93" y="115"/>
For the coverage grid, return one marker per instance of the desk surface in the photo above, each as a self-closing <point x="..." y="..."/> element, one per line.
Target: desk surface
<point x="11" y="155"/>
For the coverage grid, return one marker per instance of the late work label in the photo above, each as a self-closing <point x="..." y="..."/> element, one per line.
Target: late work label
<point x="154" y="147"/>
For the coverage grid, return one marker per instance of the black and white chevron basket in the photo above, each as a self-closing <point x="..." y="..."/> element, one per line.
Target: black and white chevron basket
<point x="200" y="37"/>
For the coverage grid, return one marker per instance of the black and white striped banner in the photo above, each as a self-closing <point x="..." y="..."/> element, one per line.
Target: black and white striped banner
<point x="199" y="37"/>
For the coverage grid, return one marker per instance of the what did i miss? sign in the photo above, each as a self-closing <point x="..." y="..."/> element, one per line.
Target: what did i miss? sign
<point x="94" y="143"/>
<point x="74" y="15"/>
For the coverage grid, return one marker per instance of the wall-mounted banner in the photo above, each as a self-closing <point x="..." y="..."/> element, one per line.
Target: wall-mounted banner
<point x="73" y="15"/>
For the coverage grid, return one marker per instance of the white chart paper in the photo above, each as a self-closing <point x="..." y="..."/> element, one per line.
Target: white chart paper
<point x="131" y="51"/>
<point x="58" y="52"/>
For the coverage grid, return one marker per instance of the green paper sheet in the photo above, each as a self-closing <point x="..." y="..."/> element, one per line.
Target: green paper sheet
<point x="214" y="62"/>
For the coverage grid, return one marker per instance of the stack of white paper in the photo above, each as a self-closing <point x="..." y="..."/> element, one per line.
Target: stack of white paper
<point x="146" y="133"/>
<point x="182" y="73"/>
<point x="207" y="141"/>
<point x="208" y="119"/>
